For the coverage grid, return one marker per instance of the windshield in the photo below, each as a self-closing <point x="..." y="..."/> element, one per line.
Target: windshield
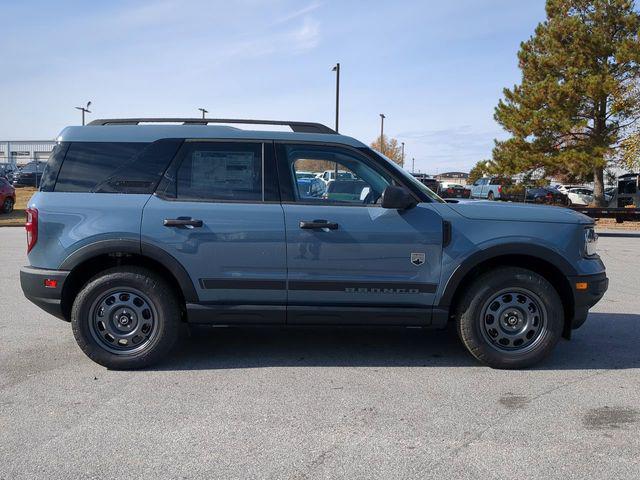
<point x="407" y="177"/>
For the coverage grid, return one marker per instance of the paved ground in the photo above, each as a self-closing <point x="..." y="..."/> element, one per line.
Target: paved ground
<point x="321" y="403"/>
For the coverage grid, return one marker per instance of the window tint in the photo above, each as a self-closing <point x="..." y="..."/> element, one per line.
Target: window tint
<point x="213" y="171"/>
<point x="115" y="167"/>
<point x="357" y="182"/>
<point x="52" y="168"/>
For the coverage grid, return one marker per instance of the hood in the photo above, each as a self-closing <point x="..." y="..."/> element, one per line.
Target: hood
<point x="517" y="212"/>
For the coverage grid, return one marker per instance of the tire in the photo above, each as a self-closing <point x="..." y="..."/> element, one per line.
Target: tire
<point x="520" y="296"/>
<point x="490" y="196"/>
<point x="7" y="206"/>
<point x="133" y="295"/>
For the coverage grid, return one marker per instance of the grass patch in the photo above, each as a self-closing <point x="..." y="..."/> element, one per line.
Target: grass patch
<point x="18" y="216"/>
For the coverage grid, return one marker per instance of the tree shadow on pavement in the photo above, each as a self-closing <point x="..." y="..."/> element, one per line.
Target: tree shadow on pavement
<point x="606" y="341"/>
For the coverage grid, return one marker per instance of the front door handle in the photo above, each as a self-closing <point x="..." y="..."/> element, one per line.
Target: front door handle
<point x="182" y="222"/>
<point x="316" y="224"/>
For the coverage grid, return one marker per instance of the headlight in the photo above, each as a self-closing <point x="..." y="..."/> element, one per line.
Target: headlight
<point x="590" y="242"/>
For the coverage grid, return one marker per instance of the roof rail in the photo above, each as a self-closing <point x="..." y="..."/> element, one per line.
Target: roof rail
<point x="301" y="127"/>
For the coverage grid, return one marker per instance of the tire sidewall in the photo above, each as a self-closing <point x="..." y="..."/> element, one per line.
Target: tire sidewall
<point x="7" y="206"/>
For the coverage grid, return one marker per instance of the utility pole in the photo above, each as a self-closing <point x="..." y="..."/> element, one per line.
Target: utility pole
<point x="413" y="164"/>
<point x="336" y="69"/>
<point x="402" y="164"/>
<point x="84" y="110"/>
<point x="203" y="112"/>
<point x="382" y="117"/>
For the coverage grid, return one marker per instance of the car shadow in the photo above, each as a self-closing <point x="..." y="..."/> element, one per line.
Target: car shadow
<point x="606" y="341"/>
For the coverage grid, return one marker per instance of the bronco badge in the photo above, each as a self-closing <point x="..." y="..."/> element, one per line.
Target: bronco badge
<point x="417" y="259"/>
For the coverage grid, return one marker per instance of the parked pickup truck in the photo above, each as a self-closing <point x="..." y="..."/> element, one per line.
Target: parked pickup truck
<point x="138" y="230"/>
<point x="488" y="187"/>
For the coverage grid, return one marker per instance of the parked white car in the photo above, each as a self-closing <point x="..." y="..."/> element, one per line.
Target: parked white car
<point x="329" y="175"/>
<point x="582" y="195"/>
<point x="564" y="188"/>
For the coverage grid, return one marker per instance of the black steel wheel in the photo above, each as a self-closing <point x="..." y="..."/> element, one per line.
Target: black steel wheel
<point x="510" y="317"/>
<point x="513" y="320"/>
<point x="123" y="321"/>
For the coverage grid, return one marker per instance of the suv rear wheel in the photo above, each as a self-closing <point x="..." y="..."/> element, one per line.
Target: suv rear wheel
<point x="126" y="318"/>
<point x="510" y="318"/>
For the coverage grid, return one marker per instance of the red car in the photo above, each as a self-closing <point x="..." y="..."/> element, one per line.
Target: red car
<point x="7" y="196"/>
<point x="453" y="190"/>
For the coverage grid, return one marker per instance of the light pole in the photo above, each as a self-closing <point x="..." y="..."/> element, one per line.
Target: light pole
<point x="413" y="164"/>
<point x="203" y="112"/>
<point x="336" y="69"/>
<point x="382" y="117"/>
<point x="84" y="110"/>
<point x="402" y="164"/>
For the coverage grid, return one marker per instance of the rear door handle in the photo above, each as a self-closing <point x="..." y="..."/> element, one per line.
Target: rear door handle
<point x="182" y="222"/>
<point x="316" y="224"/>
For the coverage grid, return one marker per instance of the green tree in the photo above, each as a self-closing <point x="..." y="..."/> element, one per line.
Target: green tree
<point x="391" y="150"/>
<point x="578" y="97"/>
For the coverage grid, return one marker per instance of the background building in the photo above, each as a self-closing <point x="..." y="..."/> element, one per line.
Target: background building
<point x="453" y="177"/>
<point x="21" y="152"/>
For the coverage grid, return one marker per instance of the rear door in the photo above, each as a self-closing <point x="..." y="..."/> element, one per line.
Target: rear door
<point x="349" y="260"/>
<point x="218" y="213"/>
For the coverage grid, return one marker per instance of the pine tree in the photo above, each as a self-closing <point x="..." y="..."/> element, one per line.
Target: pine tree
<point x="578" y="97"/>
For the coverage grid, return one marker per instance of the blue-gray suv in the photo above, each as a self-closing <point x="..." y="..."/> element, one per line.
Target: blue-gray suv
<point x="141" y="226"/>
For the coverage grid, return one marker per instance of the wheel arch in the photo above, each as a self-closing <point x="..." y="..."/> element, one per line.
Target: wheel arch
<point x="552" y="266"/>
<point x="91" y="259"/>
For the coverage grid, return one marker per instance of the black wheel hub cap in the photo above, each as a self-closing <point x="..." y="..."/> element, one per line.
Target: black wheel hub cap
<point x="513" y="320"/>
<point x="123" y="321"/>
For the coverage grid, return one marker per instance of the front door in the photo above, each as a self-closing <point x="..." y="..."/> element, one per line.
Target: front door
<point x="218" y="213"/>
<point x="349" y="260"/>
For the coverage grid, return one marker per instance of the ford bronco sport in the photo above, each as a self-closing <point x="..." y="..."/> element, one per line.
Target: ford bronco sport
<point x="141" y="226"/>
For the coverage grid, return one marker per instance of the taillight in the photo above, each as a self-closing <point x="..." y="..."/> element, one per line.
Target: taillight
<point x="31" y="226"/>
<point x="499" y="188"/>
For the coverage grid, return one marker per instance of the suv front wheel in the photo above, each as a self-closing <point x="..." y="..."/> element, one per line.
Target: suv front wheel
<point x="510" y="318"/>
<point x="126" y="318"/>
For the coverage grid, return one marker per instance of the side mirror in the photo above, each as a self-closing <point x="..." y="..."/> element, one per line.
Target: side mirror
<point x="397" y="198"/>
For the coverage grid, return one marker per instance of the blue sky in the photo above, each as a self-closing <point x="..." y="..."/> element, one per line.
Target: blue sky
<point x="436" y="69"/>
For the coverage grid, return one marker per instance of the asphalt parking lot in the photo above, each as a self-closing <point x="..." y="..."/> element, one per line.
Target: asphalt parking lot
<point x="312" y="403"/>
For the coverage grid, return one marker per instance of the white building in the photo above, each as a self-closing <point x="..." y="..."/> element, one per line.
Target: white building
<point x="21" y="152"/>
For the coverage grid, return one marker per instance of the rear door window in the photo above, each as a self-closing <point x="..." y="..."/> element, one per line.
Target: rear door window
<point x="220" y="171"/>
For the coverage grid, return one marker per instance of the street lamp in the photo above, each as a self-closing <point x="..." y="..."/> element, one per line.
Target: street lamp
<point x="84" y="110"/>
<point x="382" y="117"/>
<point x="203" y="112"/>
<point x="402" y="164"/>
<point x="336" y="69"/>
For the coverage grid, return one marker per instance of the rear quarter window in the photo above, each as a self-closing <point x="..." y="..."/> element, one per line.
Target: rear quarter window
<point x="115" y="167"/>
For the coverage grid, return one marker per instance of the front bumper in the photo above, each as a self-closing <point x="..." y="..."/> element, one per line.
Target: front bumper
<point x="32" y="281"/>
<point x="584" y="299"/>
